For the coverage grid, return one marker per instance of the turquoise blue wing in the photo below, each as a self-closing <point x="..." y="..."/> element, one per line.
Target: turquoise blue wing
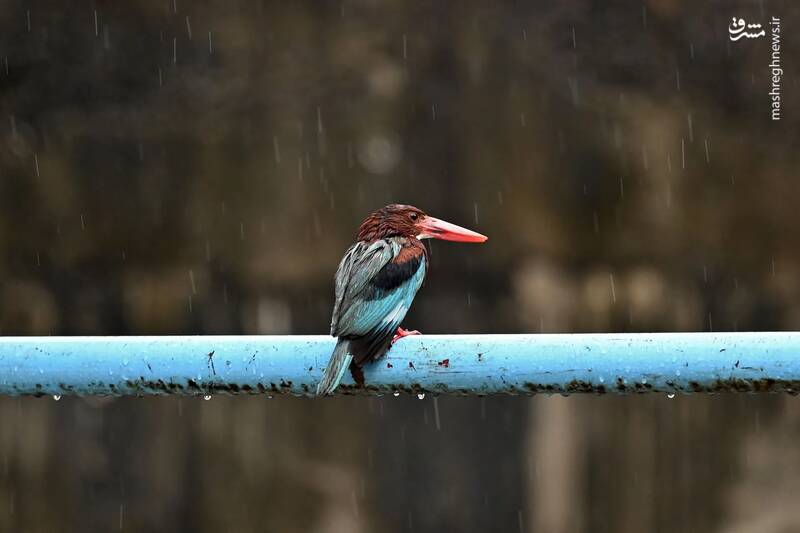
<point x="377" y="312"/>
<point x="360" y="264"/>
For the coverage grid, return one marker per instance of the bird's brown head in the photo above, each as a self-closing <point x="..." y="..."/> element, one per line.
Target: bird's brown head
<point x="397" y="220"/>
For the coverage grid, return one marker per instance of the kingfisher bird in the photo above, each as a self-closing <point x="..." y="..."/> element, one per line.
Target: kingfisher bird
<point x="375" y="284"/>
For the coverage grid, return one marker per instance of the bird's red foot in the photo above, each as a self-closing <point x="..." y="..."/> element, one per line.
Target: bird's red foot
<point x="404" y="333"/>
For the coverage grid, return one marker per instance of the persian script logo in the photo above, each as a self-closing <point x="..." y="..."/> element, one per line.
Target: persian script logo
<point x="737" y="27"/>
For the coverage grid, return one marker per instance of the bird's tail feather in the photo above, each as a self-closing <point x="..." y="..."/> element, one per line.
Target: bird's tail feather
<point x="340" y="360"/>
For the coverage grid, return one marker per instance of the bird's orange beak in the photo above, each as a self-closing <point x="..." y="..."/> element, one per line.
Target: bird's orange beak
<point x="433" y="228"/>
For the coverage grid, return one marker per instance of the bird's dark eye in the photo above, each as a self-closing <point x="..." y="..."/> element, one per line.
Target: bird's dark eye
<point x="414" y="216"/>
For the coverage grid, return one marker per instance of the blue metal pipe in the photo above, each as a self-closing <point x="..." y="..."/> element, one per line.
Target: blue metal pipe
<point x="462" y="364"/>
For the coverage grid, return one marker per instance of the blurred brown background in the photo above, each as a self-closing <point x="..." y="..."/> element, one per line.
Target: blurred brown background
<point x="199" y="167"/>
